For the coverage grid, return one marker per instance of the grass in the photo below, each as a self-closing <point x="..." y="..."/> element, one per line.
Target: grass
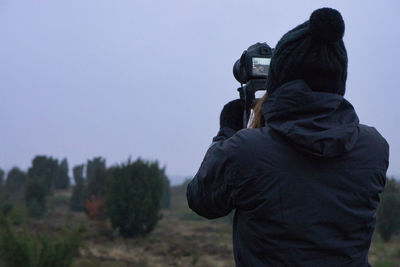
<point x="181" y="238"/>
<point x="386" y="263"/>
<point x="187" y="214"/>
<point x="58" y="200"/>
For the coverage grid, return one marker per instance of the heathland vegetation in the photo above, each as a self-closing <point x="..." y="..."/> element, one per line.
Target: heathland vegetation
<point x="128" y="215"/>
<point x="129" y="195"/>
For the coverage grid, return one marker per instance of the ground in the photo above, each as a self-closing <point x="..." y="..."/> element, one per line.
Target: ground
<point x="181" y="238"/>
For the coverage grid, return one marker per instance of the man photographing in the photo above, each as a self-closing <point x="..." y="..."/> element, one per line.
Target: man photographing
<point x="305" y="177"/>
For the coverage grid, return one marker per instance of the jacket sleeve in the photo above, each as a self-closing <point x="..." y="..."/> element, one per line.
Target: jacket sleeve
<point x="211" y="192"/>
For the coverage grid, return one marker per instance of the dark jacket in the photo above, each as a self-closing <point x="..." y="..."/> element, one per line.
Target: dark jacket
<point x="305" y="187"/>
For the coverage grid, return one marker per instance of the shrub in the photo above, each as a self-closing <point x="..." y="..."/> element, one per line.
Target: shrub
<point x="35" y="196"/>
<point x="388" y="214"/>
<point x="16" y="215"/>
<point x="45" y="168"/>
<point x="61" y="180"/>
<point x="96" y="175"/>
<point x="133" y="197"/>
<point x="15" y="183"/>
<point x="77" y="202"/>
<point x="35" y="209"/>
<point x="96" y="208"/>
<point x="166" y="196"/>
<point x="21" y="248"/>
<point x="3" y="193"/>
<point x="1" y="177"/>
<point x="6" y="208"/>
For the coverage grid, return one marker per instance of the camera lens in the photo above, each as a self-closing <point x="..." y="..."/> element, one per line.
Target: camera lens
<point x="239" y="72"/>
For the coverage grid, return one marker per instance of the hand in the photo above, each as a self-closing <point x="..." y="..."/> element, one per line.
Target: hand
<point x="232" y="115"/>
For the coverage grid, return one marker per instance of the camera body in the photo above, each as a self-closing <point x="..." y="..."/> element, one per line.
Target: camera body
<point x="251" y="71"/>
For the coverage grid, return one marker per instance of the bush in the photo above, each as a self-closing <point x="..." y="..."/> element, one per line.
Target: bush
<point x="61" y="180"/>
<point x="21" y="248"/>
<point x="45" y="168"/>
<point x="96" y="175"/>
<point x="3" y="194"/>
<point x="96" y="208"/>
<point x="133" y="197"/>
<point x="16" y="215"/>
<point x="166" y="196"/>
<point x="35" y="196"/>
<point x="6" y="208"/>
<point x="35" y="209"/>
<point x="1" y="177"/>
<point x="388" y="214"/>
<point x="77" y="202"/>
<point x="78" y="198"/>
<point x="15" y="183"/>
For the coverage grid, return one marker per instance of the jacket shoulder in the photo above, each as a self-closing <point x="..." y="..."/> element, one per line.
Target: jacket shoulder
<point x="248" y="140"/>
<point x="372" y="135"/>
<point x="374" y="143"/>
<point x="255" y="144"/>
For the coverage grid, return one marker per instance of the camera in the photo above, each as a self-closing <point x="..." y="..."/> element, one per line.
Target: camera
<point x="251" y="71"/>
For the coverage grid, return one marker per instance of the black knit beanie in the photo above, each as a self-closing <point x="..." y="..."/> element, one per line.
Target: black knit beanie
<point x="314" y="52"/>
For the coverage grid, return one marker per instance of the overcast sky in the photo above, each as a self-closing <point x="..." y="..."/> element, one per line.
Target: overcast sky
<point x="80" y="79"/>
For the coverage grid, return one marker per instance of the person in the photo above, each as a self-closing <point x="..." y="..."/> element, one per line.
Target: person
<point x="305" y="178"/>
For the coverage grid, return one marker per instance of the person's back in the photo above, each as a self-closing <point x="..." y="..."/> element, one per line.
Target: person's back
<point x="305" y="184"/>
<point x="303" y="207"/>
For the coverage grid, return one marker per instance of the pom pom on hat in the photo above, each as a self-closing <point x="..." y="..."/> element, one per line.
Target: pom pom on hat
<point x="313" y="52"/>
<point x="327" y="24"/>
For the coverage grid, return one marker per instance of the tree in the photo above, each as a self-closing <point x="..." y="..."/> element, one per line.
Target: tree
<point x="388" y="214"/>
<point x="13" y="192"/>
<point x="77" y="171"/>
<point x="35" y="196"/>
<point x="62" y="179"/>
<point x="1" y="177"/>
<point x="96" y="175"/>
<point x="15" y="182"/>
<point x="166" y="196"/>
<point x="77" y="202"/>
<point x="3" y="194"/>
<point x="41" y="178"/>
<point x="133" y="197"/>
<point x="46" y="168"/>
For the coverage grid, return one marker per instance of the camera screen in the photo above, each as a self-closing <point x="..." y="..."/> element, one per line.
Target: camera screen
<point x="261" y="66"/>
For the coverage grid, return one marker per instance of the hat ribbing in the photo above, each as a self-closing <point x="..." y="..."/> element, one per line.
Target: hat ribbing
<point x="314" y="52"/>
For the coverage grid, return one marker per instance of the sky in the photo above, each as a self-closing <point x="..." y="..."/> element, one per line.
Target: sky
<point x="148" y="79"/>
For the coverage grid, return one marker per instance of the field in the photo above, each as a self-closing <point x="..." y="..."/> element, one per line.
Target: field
<point x="181" y="238"/>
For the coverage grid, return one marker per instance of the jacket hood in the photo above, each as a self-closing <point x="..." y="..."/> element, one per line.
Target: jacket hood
<point x="317" y="123"/>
